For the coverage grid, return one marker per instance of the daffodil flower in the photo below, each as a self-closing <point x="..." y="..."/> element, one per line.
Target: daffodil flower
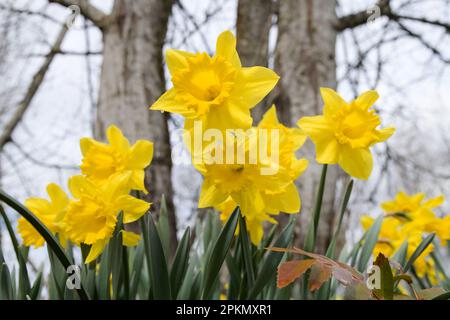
<point x="101" y="160"/>
<point x="407" y="219"/>
<point x="258" y="195"/>
<point x="345" y="132"/>
<point x="91" y="217"/>
<point x="50" y="213"/>
<point x="216" y="90"/>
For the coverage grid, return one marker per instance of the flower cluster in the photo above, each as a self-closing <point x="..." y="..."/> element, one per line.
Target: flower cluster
<point x="408" y="218"/>
<point x="109" y="173"/>
<point x="219" y="93"/>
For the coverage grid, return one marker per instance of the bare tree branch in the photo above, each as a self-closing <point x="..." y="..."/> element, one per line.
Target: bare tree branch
<point x="36" y="82"/>
<point x="357" y="19"/>
<point x="89" y="11"/>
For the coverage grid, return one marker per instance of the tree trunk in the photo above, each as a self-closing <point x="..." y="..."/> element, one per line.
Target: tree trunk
<point x="132" y="78"/>
<point x="254" y="19"/>
<point x="305" y="60"/>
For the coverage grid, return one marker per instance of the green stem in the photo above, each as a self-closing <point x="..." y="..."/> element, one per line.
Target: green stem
<point x="310" y="240"/>
<point x="52" y="242"/>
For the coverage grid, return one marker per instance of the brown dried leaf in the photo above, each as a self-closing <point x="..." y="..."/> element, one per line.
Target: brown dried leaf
<point x="343" y="273"/>
<point x="319" y="275"/>
<point x="291" y="270"/>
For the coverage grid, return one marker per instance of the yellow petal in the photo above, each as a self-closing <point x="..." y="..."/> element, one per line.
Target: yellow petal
<point x="327" y="151"/>
<point x="317" y="128"/>
<point x="130" y="239"/>
<point x="287" y="201"/>
<point x="132" y="207"/>
<point x="255" y="230"/>
<point x="85" y="145"/>
<point x="176" y="59"/>
<point x="356" y="162"/>
<point x="96" y="250"/>
<point x="435" y="202"/>
<point x="168" y="102"/>
<point x="231" y="116"/>
<point x="298" y="137"/>
<point x="30" y="236"/>
<point x="252" y="85"/>
<point x="226" y="47"/>
<point x="141" y="154"/>
<point x="367" y="99"/>
<point x="117" y="185"/>
<point x="117" y="139"/>
<point x="79" y="185"/>
<point x="384" y="134"/>
<point x="59" y="198"/>
<point x="270" y="118"/>
<point x="332" y="101"/>
<point x="137" y="181"/>
<point x="210" y="196"/>
<point x="250" y="201"/>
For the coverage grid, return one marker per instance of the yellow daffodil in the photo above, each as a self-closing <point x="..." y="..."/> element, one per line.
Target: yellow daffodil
<point x="216" y="90"/>
<point x="101" y="160"/>
<point x="345" y="132"/>
<point x="408" y="218"/>
<point x="92" y="216"/>
<point x="50" y="213"/>
<point x="258" y="195"/>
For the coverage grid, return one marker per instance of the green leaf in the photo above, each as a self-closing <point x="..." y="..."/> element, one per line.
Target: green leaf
<point x="136" y="273"/>
<point x="115" y="257"/>
<point x="36" y="288"/>
<point x="246" y="246"/>
<point x="273" y="259"/>
<point x="401" y="253"/>
<point x="159" y="273"/>
<point x="24" y="280"/>
<point x="444" y="296"/>
<point x="6" y="287"/>
<point x="371" y="239"/>
<point x="163" y="228"/>
<point x="52" y="242"/>
<point x="219" y="253"/>
<point x="387" y="278"/>
<point x="180" y="263"/>
<point x="419" y="250"/>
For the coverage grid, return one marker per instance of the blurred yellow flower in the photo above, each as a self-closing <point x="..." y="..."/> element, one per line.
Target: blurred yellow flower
<point x="216" y="90"/>
<point x="409" y="218"/>
<point x="101" y="160"/>
<point x="50" y="213"/>
<point x="258" y="195"/>
<point x="92" y="216"/>
<point x="346" y="131"/>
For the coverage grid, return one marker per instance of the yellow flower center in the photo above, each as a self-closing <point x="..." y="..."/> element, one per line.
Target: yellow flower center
<point x="204" y="83"/>
<point x="101" y="162"/>
<point x="356" y="126"/>
<point x="90" y="219"/>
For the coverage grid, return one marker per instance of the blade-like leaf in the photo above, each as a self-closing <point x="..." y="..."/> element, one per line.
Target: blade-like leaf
<point x="273" y="259"/>
<point x="159" y="273"/>
<point x="369" y="244"/>
<point x="218" y="254"/>
<point x="180" y="263"/>
<point x="52" y="242"/>
<point x="419" y="250"/>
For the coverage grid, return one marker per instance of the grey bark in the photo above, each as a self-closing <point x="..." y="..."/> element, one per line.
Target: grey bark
<point x="132" y="78"/>
<point x="305" y="60"/>
<point x="254" y="20"/>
